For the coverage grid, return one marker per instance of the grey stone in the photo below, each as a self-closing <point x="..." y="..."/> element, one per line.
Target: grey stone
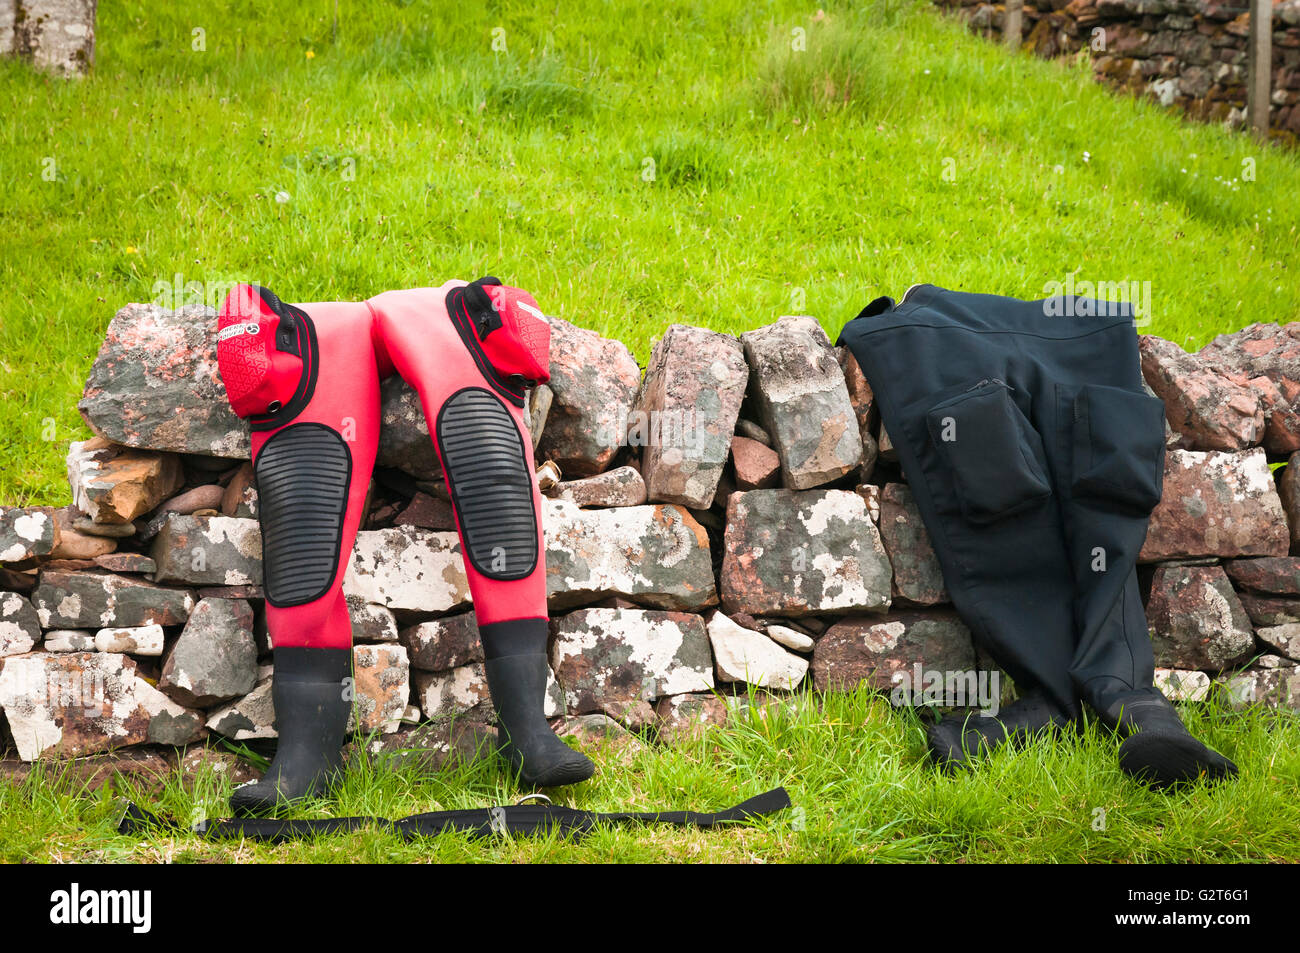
<point x="803" y="401"/>
<point x="20" y="627"/>
<point x="796" y="554"/>
<point x="208" y="551"/>
<point x="95" y="600"/>
<point x="215" y="658"/>
<point x="619" y="661"/>
<point x="694" y="385"/>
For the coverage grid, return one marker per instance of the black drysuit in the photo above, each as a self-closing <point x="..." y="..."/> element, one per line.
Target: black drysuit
<point x="1035" y="458"/>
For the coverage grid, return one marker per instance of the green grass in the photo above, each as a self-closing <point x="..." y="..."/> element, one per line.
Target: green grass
<point x="855" y="770"/>
<point x="679" y="163"/>
<point x="635" y="168"/>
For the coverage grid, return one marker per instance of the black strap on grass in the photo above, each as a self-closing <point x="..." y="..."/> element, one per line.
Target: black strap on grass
<point x="508" y="820"/>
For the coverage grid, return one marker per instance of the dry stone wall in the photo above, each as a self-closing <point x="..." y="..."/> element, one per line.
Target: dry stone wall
<point x="1189" y="54"/>
<point x="731" y="520"/>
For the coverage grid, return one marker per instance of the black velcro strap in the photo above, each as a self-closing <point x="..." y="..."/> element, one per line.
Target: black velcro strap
<point x="525" y="819"/>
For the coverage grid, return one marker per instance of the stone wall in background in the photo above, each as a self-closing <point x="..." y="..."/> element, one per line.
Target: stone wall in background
<point x="1185" y="53"/>
<point x="54" y="35"/>
<point x="734" y="521"/>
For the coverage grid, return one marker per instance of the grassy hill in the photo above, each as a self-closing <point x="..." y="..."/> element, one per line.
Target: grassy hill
<point x="632" y="166"/>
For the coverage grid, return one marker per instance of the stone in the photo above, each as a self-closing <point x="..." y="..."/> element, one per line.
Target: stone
<point x="540" y="399"/>
<point x="1284" y="639"/>
<point x="57" y="36"/>
<point x="200" y="499"/>
<point x="72" y="544"/>
<point x="169" y="723"/>
<point x="747" y="428"/>
<point x="872" y="495"/>
<point x="463" y="692"/>
<point x="1209" y="410"/>
<point x="1268" y="610"/>
<point x="428" y="747"/>
<point x="456" y="692"/>
<point x="694" y="385"/>
<point x="680" y="718"/>
<point x="111" y="530"/>
<point x="885" y="445"/>
<point x="1261" y="350"/>
<point x="382" y="679"/>
<point x="885" y="652"/>
<point x="1263" y="687"/>
<point x="595" y="729"/>
<point x="144" y="640"/>
<point x="656" y="555"/>
<point x="69" y="565"/>
<point x="26" y="533"/>
<point x="1279" y="575"/>
<point x="197" y="763"/>
<point x="155" y="384"/>
<point x="790" y="638"/>
<point x="1281" y="419"/>
<point x="251" y="593"/>
<point x="618" y="661"/>
<point x="863" y="400"/>
<point x="131" y="769"/>
<point x="95" y="599"/>
<point x="439" y="645"/>
<point x="239" y="498"/>
<point x="13" y="580"/>
<point x="623" y="486"/>
<point x="757" y="467"/>
<point x="249" y="717"/>
<point x="1180" y="685"/>
<point x="1288" y="488"/>
<point x="744" y="655"/>
<point x="799" y="553"/>
<point x="1216" y="504"/>
<point x="404" y="441"/>
<point x="20" y="627"/>
<point x="215" y="658"/>
<point x="206" y="496"/>
<point x="1196" y="619"/>
<point x="594" y="383"/>
<point x="68" y="705"/>
<point x="918" y="578"/>
<point x="407" y="569"/>
<point x="208" y="551"/>
<point x="427" y="511"/>
<point x="115" y="484"/>
<point x="371" y="623"/>
<point x="69" y="640"/>
<point x="803" y="401"/>
<point x="126" y="562"/>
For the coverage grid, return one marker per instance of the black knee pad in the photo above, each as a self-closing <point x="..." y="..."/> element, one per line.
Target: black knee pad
<point x="302" y="496"/>
<point x="491" y="488"/>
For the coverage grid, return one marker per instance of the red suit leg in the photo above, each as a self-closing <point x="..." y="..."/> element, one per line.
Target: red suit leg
<point x="471" y="351"/>
<point x="307" y="378"/>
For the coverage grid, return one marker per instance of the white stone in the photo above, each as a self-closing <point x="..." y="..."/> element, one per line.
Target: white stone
<point x="131" y="640"/>
<point x="743" y="655"/>
<point x="1182" y="686"/>
<point x="790" y="638"/>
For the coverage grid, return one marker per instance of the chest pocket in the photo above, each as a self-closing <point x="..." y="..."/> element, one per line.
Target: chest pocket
<point x="994" y="455"/>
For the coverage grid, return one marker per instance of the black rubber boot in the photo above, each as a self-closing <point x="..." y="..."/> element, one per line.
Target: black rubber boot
<point x="1157" y="749"/>
<point x="957" y="741"/>
<point x="311" y="715"/>
<point x="516" y="678"/>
